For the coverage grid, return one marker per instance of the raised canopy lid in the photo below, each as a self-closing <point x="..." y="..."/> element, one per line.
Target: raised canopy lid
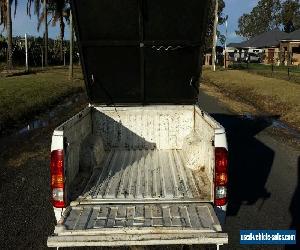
<point x="141" y="51"/>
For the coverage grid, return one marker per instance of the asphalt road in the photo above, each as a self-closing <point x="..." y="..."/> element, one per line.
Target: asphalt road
<point x="264" y="176"/>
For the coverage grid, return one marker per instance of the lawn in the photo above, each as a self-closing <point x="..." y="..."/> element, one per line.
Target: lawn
<point x="291" y="73"/>
<point x="25" y="95"/>
<point x="274" y="96"/>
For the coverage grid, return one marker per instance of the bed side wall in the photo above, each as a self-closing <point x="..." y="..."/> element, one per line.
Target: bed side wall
<point x="207" y="133"/>
<point x="71" y="134"/>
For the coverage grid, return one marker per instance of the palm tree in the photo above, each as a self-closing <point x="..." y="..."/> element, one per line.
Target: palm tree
<point x="71" y="47"/>
<point x="46" y="31"/>
<point x="9" y="35"/>
<point x="42" y="18"/>
<point x="59" y="11"/>
<point x="5" y="19"/>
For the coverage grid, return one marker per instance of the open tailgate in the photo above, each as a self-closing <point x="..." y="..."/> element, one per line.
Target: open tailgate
<point x="138" y="224"/>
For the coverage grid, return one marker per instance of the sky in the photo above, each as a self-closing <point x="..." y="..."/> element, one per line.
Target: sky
<point x="23" y="24"/>
<point x="235" y="9"/>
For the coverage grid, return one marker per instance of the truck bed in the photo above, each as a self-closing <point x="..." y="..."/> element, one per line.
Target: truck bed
<point x="138" y="176"/>
<point x="146" y="175"/>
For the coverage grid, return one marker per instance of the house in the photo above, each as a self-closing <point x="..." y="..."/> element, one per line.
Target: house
<point x="234" y="51"/>
<point x="290" y="49"/>
<point x="268" y="44"/>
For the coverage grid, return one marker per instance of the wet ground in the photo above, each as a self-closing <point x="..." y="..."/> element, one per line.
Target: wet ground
<point x="264" y="176"/>
<point x="264" y="173"/>
<point x="26" y="214"/>
<point x="43" y="119"/>
<point x="275" y="124"/>
<point x="50" y="115"/>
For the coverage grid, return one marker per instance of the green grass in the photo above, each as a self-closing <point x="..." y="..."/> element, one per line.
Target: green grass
<point x="23" y="96"/>
<point x="279" y="72"/>
<point x="272" y="95"/>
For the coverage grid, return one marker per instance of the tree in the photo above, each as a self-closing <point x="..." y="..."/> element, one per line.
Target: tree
<point x="46" y="31"/>
<point x="37" y="7"/>
<point x="290" y="15"/>
<point x="60" y="11"/>
<point x="71" y="47"/>
<point x="215" y="35"/>
<point x="9" y="35"/>
<point x="41" y="19"/>
<point x="5" y="19"/>
<point x="264" y="17"/>
<point x="210" y="27"/>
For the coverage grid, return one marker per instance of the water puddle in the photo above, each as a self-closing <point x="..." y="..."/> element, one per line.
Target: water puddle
<point x="42" y="123"/>
<point x="34" y="125"/>
<point x="275" y="123"/>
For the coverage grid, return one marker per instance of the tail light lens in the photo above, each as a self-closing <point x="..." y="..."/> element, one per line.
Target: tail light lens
<point x="221" y="176"/>
<point x="57" y="178"/>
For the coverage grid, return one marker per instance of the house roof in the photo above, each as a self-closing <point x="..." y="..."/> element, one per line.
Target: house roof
<point x="234" y="45"/>
<point x="293" y="36"/>
<point x="268" y="39"/>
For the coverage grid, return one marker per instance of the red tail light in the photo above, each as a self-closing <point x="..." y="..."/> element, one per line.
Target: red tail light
<point x="57" y="178"/>
<point x="221" y="176"/>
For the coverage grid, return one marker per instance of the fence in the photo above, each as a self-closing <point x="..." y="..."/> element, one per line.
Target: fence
<point x="279" y="65"/>
<point x="266" y="56"/>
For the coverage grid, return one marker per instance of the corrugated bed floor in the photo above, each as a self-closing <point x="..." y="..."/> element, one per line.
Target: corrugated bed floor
<point x="147" y="174"/>
<point x="189" y="215"/>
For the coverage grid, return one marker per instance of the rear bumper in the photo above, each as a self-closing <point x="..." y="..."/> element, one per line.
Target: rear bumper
<point x="150" y="239"/>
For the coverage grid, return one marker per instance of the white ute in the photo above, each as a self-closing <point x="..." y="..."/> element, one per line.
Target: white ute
<point x="142" y="164"/>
